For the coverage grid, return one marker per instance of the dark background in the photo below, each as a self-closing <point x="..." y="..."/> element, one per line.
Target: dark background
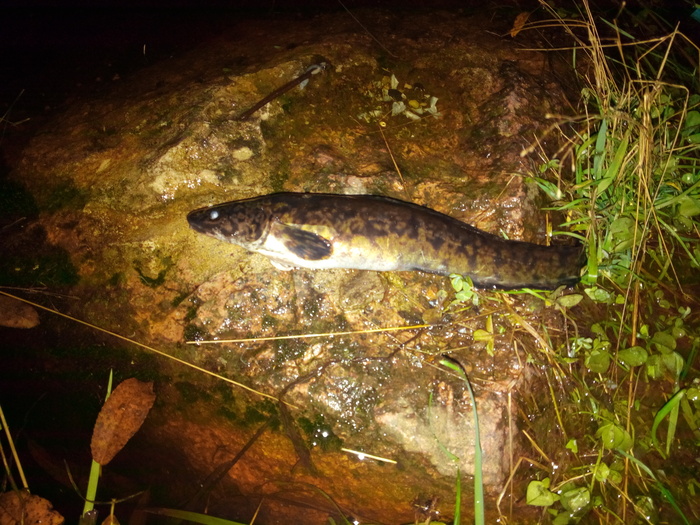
<point x="51" y="50"/>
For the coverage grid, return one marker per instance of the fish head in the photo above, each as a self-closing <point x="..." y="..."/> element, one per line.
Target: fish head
<point x="244" y="223"/>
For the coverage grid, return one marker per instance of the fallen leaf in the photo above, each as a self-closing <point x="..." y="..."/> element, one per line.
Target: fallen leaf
<point x="121" y="416"/>
<point x="519" y="23"/>
<point x="21" y="507"/>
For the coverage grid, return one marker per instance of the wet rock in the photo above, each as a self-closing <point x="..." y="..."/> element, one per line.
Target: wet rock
<point x="166" y="141"/>
<point x="16" y="314"/>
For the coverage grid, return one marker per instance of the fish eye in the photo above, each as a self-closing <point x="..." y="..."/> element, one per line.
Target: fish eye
<point x="214" y="214"/>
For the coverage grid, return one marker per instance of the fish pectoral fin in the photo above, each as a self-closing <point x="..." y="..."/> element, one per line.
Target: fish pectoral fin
<point x="304" y="244"/>
<point x="281" y="265"/>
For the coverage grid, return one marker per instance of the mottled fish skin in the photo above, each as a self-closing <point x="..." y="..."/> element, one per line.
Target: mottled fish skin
<point x="368" y="232"/>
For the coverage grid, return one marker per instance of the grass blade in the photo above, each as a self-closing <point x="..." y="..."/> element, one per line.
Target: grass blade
<point x="664" y="491"/>
<point x="479" y="515"/>
<point x="194" y="517"/>
<point x="670" y="409"/>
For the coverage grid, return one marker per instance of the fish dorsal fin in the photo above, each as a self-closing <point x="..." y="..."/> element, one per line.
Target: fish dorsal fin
<point x="304" y="244"/>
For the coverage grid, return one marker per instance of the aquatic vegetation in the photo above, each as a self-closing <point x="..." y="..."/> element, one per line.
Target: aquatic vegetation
<point x="627" y="182"/>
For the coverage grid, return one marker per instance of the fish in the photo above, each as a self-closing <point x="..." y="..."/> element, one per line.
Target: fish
<point x="370" y="232"/>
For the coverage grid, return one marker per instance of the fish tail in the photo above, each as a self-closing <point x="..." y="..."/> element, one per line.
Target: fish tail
<point x="515" y="264"/>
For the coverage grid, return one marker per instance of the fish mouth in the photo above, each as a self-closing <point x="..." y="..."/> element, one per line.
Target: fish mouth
<point x="195" y="220"/>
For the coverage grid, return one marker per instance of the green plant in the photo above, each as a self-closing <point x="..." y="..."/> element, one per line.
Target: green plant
<point x="628" y="182"/>
<point x="479" y="509"/>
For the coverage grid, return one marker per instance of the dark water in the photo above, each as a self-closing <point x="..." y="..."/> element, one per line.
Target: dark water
<point x="50" y="54"/>
<point x="48" y="406"/>
<point x="53" y="50"/>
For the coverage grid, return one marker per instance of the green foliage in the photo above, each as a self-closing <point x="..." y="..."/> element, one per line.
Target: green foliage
<point x="538" y="493"/>
<point x="486" y="336"/>
<point x="193" y="517"/>
<point x="479" y="502"/>
<point x="636" y="191"/>
<point x="629" y="185"/>
<point x="95" y="468"/>
<point x="668" y="496"/>
<point x="613" y="436"/>
<point x="464" y="290"/>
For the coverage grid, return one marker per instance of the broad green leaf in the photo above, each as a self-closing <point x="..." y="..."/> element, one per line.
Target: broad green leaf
<point x="599" y="295"/>
<point x="673" y="362"/>
<point x="598" y="361"/>
<point x="614" y="168"/>
<point x="605" y="184"/>
<point x="572" y="445"/>
<point x="614" y="436"/>
<point x="693" y="393"/>
<point x="677" y="332"/>
<point x="539" y="495"/>
<point x="599" y="330"/>
<point x="622" y="232"/>
<point x="600" y="140"/>
<point x="633" y="356"/>
<point x="692" y="119"/>
<point x="646" y="509"/>
<point x="603" y="473"/>
<point x="567" y="301"/>
<point x="655" y="369"/>
<point x="482" y="335"/>
<point x="664" y="342"/>
<point x="575" y="500"/>
<point x="562" y="518"/>
<point x="551" y="189"/>
<point x="688" y="207"/>
<point x="457" y="282"/>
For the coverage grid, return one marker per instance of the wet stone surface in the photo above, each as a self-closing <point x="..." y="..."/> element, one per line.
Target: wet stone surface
<point x="131" y="164"/>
